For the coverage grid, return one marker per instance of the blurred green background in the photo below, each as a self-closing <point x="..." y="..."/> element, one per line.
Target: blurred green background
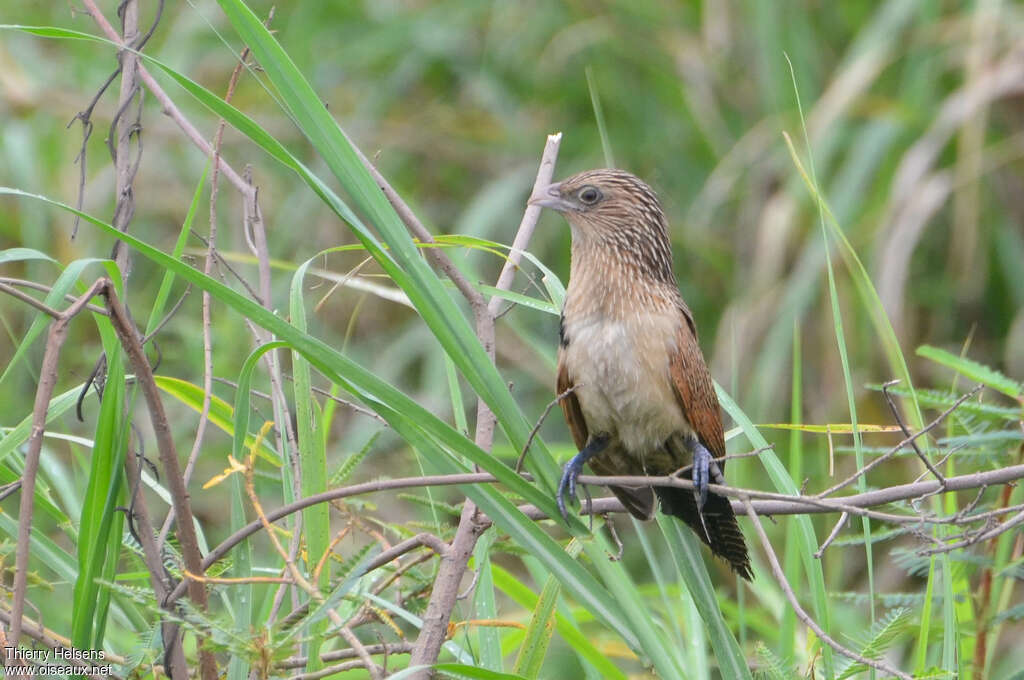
<point x="914" y="113"/>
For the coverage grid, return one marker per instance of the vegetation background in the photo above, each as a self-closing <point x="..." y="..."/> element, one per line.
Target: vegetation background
<point x="913" y="110"/>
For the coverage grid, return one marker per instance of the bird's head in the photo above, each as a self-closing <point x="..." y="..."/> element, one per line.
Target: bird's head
<point x="613" y="209"/>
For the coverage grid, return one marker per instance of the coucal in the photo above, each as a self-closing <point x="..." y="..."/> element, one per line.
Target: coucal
<point x="644" y="402"/>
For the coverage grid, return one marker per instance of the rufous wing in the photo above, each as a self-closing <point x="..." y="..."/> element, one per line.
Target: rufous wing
<point x="695" y="391"/>
<point x="571" y="407"/>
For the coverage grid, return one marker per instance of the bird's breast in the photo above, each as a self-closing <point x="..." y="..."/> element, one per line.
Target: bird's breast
<point x="622" y="368"/>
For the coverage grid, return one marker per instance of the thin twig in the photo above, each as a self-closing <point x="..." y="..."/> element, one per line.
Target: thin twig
<point x="906" y="432"/>
<point x="780" y="576"/>
<point x="1014" y="521"/>
<point x="540" y="421"/>
<point x="909" y="439"/>
<point x="47" y="381"/>
<point x="168" y="106"/>
<point x="832" y="535"/>
<point x="772" y="504"/>
<point x="453" y="565"/>
<point x="189" y="544"/>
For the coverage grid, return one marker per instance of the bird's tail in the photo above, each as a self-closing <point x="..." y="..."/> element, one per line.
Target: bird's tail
<point x="723" y="533"/>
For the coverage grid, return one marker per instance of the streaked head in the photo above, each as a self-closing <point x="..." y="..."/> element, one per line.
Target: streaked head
<point x="613" y="209"/>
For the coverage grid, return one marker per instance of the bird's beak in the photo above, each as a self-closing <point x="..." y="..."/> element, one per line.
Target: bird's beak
<point x="551" y="197"/>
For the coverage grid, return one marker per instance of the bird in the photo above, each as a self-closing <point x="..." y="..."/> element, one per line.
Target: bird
<point x="638" y="396"/>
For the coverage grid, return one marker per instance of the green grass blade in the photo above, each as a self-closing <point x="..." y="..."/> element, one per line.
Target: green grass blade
<point x="101" y="499"/>
<point x="316" y="520"/>
<point x="513" y="587"/>
<point x="804" y="530"/>
<point x="977" y="372"/>
<point x="686" y="553"/>
<point x="542" y="625"/>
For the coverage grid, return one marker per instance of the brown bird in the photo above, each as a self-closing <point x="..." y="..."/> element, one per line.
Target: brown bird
<point x="644" y="402"/>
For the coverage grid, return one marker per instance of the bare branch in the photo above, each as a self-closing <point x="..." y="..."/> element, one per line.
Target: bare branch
<point x="453" y="564"/>
<point x="540" y="421"/>
<point x="906" y="432"/>
<point x="47" y="381"/>
<point x="894" y="450"/>
<point x="780" y="576"/>
<point x="129" y="337"/>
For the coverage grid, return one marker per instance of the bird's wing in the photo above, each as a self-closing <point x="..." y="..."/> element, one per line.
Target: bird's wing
<point x="639" y="501"/>
<point x="571" y="407"/>
<point x="695" y="391"/>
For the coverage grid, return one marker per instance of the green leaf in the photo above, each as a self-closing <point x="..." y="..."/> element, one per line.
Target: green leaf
<point x="972" y="369"/>
<point x="542" y="625"/>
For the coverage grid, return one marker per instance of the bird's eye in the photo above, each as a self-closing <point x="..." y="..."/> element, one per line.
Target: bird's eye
<point x="590" y="195"/>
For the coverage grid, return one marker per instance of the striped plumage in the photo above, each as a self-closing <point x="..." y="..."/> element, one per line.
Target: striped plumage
<point x="644" y="401"/>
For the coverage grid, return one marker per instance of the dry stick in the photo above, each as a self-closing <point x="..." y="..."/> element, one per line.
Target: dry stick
<point x="832" y="535"/>
<point x="329" y="671"/>
<point x="780" y="576"/>
<point x="47" y="382"/>
<point x="530" y="217"/>
<point x="168" y="458"/>
<point x="124" y="166"/>
<point x="540" y="421"/>
<point x="777" y="504"/>
<point x="342" y="654"/>
<point x="444" y="595"/>
<point x="906" y="432"/>
<point x="296" y="574"/>
<point x="910" y="439"/>
<point x="7" y="286"/>
<point x="157" y="573"/>
<point x="782" y="504"/>
<point x="167" y="104"/>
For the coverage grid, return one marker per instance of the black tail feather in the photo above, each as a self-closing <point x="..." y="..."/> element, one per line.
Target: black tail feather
<point x="723" y="533"/>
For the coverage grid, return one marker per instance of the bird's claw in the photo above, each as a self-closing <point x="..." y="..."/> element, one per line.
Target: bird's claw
<point x="702" y="462"/>
<point x="573" y="469"/>
<point x="570" y="472"/>
<point x="701" y="475"/>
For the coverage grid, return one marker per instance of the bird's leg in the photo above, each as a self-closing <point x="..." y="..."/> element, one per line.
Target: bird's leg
<point x="702" y="467"/>
<point x="573" y="468"/>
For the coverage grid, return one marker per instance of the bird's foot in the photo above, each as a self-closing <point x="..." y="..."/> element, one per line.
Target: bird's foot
<point x="572" y="471"/>
<point x="702" y="464"/>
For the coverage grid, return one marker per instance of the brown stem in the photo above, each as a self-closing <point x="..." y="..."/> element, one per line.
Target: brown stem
<point x="774" y="504"/>
<point x="453" y="565"/>
<point x="169" y="461"/>
<point x="47" y="382"/>
<point x="140" y="518"/>
<point x="167" y="104"/>
<point x="780" y="576"/>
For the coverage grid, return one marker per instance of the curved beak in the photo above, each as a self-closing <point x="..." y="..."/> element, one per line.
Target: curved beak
<point x="551" y="197"/>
